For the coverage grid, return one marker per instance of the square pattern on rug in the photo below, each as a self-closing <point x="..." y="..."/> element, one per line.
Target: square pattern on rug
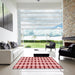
<point x="37" y="63"/>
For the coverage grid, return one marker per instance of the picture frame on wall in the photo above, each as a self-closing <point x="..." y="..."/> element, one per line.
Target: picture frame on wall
<point x="1" y="15"/>
<point x="6" y="17"/>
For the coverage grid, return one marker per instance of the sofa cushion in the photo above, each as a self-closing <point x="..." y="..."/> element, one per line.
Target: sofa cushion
<point x="13" y="44"/>
<point x="72" y="48"/>
<point x="9" y="46"/>
<point x="71" y="45"/>
<point x="3" y="45"/>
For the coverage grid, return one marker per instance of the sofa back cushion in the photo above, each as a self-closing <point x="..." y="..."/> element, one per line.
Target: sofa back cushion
<point x="9" y="46"/>
<point x="52" y="44"/>
<point x="13" y="44"/>
<point x="3" y="45"/>
<point x="72" y="48"/>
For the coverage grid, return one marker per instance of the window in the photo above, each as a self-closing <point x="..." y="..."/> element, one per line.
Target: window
<point x="40" y="23"/>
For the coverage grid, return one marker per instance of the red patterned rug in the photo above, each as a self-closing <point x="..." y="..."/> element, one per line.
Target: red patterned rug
<point x="37" y="63"/>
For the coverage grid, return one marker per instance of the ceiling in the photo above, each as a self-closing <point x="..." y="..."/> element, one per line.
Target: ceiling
<point x="34" y="4"/>
<point x="51" y="1"/>
<point x="42" y="4"/>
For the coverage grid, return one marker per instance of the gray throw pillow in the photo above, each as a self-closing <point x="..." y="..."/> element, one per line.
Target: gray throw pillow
<point x="3" y="45"/>
<point x="13" y="44"/>
<point x="9" y="46"/>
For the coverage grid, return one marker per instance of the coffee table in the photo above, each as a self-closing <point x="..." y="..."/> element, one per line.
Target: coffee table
<point x="41" y="53"/>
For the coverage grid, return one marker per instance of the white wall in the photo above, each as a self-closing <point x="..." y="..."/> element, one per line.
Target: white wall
<point x="6" y="35"/>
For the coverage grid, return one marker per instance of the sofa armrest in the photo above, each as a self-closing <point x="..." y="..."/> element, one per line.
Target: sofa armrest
<point x="6" y="57"/>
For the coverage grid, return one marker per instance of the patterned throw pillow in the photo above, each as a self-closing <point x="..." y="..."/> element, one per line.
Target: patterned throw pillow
<point x="13" y="44"/>
<point x="3" y="45"/>
<point x="9" y="46"/>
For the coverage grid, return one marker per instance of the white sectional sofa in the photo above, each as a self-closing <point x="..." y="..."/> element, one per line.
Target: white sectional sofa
<point x="9" y="55"/>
